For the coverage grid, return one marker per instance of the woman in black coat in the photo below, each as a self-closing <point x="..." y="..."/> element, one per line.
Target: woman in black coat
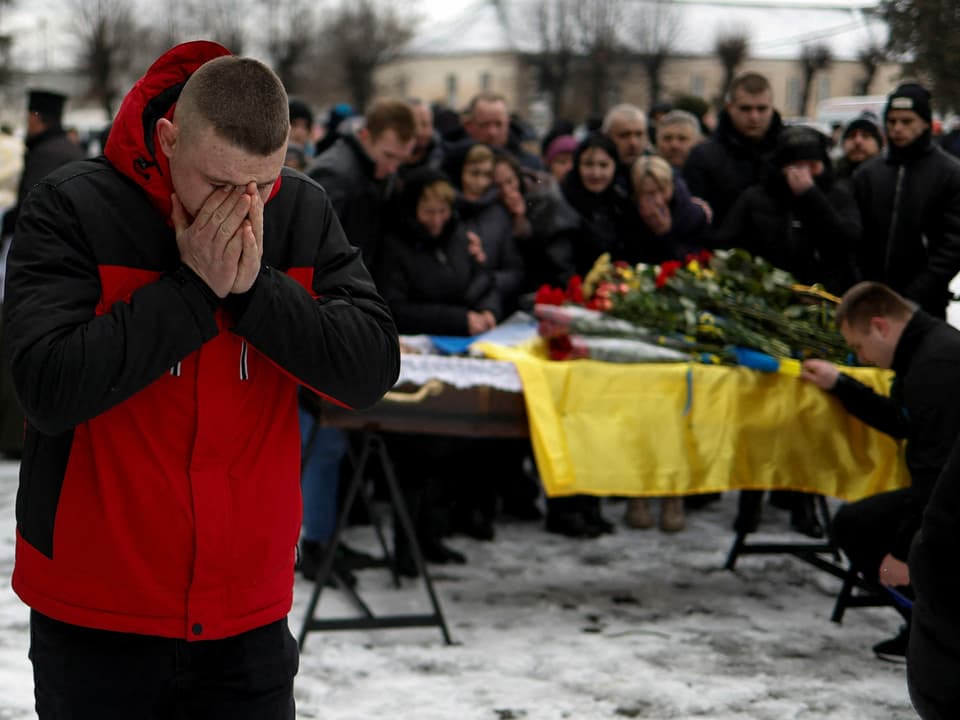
<point x="434" y="285"/>
<point x="604" y="209"/>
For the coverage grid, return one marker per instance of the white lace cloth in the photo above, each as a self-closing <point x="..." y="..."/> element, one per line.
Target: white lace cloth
<point x="460" y="372"/>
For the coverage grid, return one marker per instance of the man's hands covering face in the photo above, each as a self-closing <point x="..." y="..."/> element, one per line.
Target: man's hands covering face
<point x="224" y="243"/>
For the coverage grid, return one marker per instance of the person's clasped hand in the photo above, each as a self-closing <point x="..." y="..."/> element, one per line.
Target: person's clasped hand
<point x="224" y="243"/>
<point x="798" y="177"/>
<point x="821" y="373"/>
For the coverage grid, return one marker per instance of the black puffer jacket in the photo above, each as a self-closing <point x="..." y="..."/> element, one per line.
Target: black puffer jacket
<point x="909" y="200"/>
<point x="811" y="235"/>
<point x="720" y="169"/>
<point x="361" y="201"/>
<point x="45" y="153"/>
<point x="923" y="407"/>
<point x="606" y="219"/>
<point x="430" y="283"/>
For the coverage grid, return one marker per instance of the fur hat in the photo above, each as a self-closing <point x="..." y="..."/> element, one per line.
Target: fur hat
<point x="46" y="102"/>
<point x="798" y="142"/>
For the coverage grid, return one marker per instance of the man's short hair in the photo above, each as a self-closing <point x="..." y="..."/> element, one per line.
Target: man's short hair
<point x="623" y="110"/>
<point x="752" y="83"/>
<point x="680" y="117"/>
<point x="485" y="96"/>
<point x="241" y="99"/>
<point x="870" y="299"/>
<point x="393" y="115"/>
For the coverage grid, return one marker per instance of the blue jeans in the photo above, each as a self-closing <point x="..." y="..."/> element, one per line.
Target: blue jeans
<point x="323" y="452"/>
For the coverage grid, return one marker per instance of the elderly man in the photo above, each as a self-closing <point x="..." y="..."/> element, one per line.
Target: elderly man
<point x="626" y="125"/>
<point x="164" y="304"/>
<point x="909" y="199"/>
<point x="677" y="133"/>
<point x="487" y="120"/>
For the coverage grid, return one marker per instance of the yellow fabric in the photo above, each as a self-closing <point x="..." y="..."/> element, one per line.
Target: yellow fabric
<point x="678" y="428"/>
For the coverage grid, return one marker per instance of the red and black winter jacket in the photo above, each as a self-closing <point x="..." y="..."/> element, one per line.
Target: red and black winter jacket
<point x="159" y="489"/>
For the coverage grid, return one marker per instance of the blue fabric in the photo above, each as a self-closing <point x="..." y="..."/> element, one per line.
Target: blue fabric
<point x="452" y="344"/>
<point x="320" y="477"/>
<point x="756" y="360"/>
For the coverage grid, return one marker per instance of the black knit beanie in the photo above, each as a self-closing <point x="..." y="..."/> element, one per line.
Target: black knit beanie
<point x="866" y="122"/>
<point x="913" y="97"/>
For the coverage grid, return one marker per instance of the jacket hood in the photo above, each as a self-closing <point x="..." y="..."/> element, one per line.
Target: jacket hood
<point x="133" y="147"/>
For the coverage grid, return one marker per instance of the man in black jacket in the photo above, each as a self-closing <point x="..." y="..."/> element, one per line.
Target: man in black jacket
<point x="909" y="200"/>
<point x="886" y="330"/>
<point x="719" y="170"/>
<point x="48" y="147"/>
<point x="359" y="173"/>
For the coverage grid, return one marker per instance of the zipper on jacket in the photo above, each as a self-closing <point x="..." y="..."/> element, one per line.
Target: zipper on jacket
<point x="893" y="221"/>
<point x="244" y="368"/>
<point x="176" y="370"/>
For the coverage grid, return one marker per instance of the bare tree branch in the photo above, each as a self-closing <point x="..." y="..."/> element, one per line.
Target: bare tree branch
<point x="553" y="23"/>
<point x="291" y="33"/>
<point x="732" y="47"/>
<point x="597" y="22"/>
<point x="813" y="59"/>
<point x="361" y="36"/>
<point x="656" y="26"/>
<point x="869" y="58"/>
<point x="107" y="35"/>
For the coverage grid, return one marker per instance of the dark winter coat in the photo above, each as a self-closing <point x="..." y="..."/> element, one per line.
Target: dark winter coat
<point x="429" y="282"/>
<point x="909" y="201"/>
<point x="360" y="200"/>
<point x="812" y="235"/>
<point x="606" y="220"/>
<point x="720" y="169"/>
<point x="489" y="219"/>
<point x="159" y="489"/>
<point x="689" y="232"/>
<point x="45" y="153"/>
<point x="933" y="659"/>
<point x="554" y="227"/>
<point x="923" y="407"/>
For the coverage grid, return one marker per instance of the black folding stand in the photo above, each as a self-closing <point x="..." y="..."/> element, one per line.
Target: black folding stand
<point x="372" y="446"/>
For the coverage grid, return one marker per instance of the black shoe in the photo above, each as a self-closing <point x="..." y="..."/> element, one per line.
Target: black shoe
<point x="571" y="524"/>
<point x="476" y="524"/>
<point x="311" y="559"/>
<point x="356" y="559"/>
<point x="522" y="510"/>
<point x="436" y="552"/>
<point x="894" y="649"/>
<point x="748" y="512"/>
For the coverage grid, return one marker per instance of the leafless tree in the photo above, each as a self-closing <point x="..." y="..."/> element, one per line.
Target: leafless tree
<point x="220" y="20"/>
<point x="656" y="26"/>
<point x="597" y="22"/>
<point x="291" y="33"/>
<point x="107" y="35"/>
<point x="732" y="47"/>
<point x="361" y="36"/>
<point x="554" y="21"/>
<point x="869" y="58"/>
<point x="6" y="43"/>
<point x="813" y="59"/>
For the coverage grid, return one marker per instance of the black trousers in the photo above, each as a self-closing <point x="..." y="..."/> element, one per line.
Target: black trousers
<point x="81" y="673"/>
<point x="866" y="529"/>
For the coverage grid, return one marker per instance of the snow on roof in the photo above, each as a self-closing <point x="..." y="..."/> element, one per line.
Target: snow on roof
<point x="775" y="29"/>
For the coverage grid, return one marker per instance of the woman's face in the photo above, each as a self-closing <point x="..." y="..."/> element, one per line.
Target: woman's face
<point x="505" y="178"/>
<point x="477" y="177"/>
<point x="596" y="170"/>
<point x="649" y="188"/>
<point x="433" y="214"/>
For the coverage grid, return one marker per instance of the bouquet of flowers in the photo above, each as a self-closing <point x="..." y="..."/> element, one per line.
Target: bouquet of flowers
<point x="714" y="307"/>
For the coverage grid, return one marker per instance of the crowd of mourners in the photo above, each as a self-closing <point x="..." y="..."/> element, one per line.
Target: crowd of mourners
<point x="461" y="216"/>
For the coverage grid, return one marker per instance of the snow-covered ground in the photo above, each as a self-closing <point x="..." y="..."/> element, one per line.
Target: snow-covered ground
<point x="632" y="625"/>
